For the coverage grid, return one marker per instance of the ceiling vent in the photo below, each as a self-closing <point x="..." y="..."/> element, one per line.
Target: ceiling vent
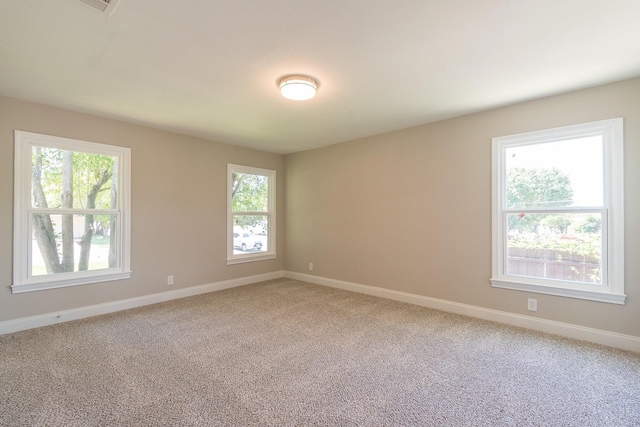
<point x="101" y="5"/>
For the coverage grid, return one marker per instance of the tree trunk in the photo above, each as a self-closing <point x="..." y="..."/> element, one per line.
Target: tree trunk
<point x="45" y="237"/>
<point x="113" y="234"/>
<point x="67" y="219"/>
<point x="42" y="225"/>
<point x="237" y="183"/>
<point x="85" y="242"/>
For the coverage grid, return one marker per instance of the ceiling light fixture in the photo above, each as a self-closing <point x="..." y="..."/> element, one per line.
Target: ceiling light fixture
<point x="298" y="88"/>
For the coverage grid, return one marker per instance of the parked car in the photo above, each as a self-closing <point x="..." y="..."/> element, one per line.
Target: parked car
<point x="260" y="228"/>
<point x="245" y="241"/>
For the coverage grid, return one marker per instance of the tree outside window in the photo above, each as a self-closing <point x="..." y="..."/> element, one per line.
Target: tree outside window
<point x="251" y="214"/>
<point x="558" y="211"/>
<point x="71" y="213"/>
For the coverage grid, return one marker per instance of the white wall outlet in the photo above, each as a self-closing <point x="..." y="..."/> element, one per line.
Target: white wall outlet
<point x="169" y="280"/>
<point x="310" y="266"/>
<point x="532" y="304"/>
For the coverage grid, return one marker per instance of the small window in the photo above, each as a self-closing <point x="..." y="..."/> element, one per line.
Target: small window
<point x="71" y="212"/>
<point x="251" y="214"/>
<point x="558" y="211"/>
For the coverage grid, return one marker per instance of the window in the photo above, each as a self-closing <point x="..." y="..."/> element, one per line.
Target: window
<point x="558" y="211"/>
<point x="251" y="220"/>
<point x="71" y="212"/>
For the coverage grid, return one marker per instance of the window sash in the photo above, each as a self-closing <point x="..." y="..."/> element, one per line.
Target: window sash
<point x="30" y="243"/>
<point x="604" y="279"/>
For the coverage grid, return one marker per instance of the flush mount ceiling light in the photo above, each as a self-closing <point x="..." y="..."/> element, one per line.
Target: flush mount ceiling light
<point x="101" y="5"/>
<point x="298" y="88"/>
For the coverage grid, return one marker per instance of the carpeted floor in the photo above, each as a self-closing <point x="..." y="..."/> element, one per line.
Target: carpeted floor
<point x="288" y="353"/>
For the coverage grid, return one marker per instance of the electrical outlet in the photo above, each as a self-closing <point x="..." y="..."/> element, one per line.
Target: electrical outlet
<point x="310" y="266"/>
<point x="532" y="304"/>
<point x="169" y="280"/>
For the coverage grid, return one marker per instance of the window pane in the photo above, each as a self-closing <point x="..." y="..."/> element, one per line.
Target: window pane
<point x="250" y="233"/>
<point x="555" y="174"/>
<point x="555" y="246"/>
<point x="67" y="179"/>
<point x="250" y="193"/>
<point x="68" y="243"/>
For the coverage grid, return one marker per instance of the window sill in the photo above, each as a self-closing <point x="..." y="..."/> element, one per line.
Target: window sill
<point x="607" y="297"/>
<point x="46" y="283"/>
<point x="251" y="258"/>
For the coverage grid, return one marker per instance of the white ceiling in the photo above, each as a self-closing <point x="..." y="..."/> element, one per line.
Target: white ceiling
<point x="209" y="68"/>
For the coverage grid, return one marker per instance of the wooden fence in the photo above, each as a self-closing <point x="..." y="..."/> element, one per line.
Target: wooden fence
<point x="553" y="264"/>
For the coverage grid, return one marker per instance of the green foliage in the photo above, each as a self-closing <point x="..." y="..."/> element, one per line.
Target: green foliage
<point x="250" y="193"/>
<point x="593" y="224"/>
<point x="69" y="180"/>
<point x="87" y="168"/>
<point x="538" y="188"/>
<point x="557" y="223"/>
<point x="91" y="169"/>
<point x="547" y="188"/>
<point x="582" y="244"/>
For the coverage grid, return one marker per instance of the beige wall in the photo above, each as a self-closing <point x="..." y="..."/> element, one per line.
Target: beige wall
<point x="178" y="208"/>
<point x="408" y="210"/>
<point x="411" y="210"/>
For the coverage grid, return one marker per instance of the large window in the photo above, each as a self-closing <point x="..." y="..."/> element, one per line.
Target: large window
<point x="251" y="214"/>
<point x="71" y="212"/>
<point x="558" y="211"/>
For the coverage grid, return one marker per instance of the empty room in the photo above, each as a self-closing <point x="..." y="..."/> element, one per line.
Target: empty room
<point x="295" y="213"/>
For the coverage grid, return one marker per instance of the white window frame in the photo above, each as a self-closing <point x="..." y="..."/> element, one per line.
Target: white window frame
<point x="270" y="253"/>
<point x="23" y="281"/>
<point x="612" y="288"/>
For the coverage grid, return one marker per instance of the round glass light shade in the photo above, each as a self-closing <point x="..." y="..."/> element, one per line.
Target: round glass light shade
<point x="298" y="88"/>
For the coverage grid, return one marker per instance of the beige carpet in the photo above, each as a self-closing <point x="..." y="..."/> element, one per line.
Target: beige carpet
<point x="288" y="353"/>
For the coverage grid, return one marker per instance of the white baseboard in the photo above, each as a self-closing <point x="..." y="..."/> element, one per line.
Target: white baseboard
<point x="24" y="323"/>
<point x="612" y="339"/>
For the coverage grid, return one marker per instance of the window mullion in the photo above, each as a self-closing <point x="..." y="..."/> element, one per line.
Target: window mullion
<point x="73" y="211"/>
<point x="570" y="209"/>
<point x="252" y="213"/>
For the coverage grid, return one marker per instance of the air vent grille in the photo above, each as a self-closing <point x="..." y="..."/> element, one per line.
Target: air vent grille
<point x="101" y="5"/>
